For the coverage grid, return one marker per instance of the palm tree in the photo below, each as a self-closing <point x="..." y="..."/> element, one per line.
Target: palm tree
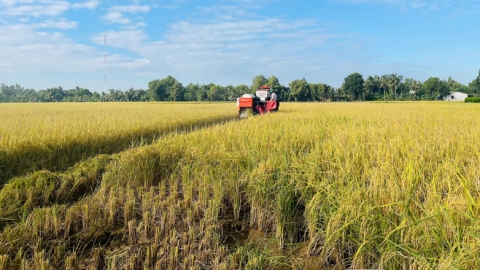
<point x="384" y="85"/>
<point x="394" y="81"/>
<point x="414" y="87"/>
<point x="367" y="85"/>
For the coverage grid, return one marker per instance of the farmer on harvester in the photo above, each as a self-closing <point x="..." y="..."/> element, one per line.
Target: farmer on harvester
<point x="273" y="97"/>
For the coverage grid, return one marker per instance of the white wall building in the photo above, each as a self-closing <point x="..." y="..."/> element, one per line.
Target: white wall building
<point x="455" y="96"/>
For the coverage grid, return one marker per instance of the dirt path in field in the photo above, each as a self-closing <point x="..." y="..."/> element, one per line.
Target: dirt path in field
<point x="55" y="157"/>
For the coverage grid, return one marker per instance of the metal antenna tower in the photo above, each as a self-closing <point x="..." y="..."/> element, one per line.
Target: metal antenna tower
<point x="105" y="54"/>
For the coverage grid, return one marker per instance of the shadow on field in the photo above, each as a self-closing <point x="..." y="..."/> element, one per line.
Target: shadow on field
<point x="60" y="156"/>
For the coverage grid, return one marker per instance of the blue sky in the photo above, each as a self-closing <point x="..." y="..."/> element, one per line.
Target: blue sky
<point x="47" y="43"/>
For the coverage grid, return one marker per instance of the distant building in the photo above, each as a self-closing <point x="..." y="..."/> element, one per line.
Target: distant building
<point x="455" y="96"/>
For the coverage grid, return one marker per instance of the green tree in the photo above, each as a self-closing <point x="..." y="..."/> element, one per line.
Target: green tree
<point x="116" y="95"/>
<point x="353" y="86"/>
<point x="136" y="95"/>
<point x="299" y="90"/>
<point x="279" y="89"/>
<point x="190" y="93"/>
<point x="156" y="91"/>
<point x="315" y="92"/>
<point x="320" y="92"/>
<point x="384" y="85"/>
<point x="56" y="94"/>
<point x="412" y="87"/>
<point x="340" y="95"/>
<point x="29" y="95"/>
<point x="455" y="86"/>
<point x="167" y="88"/>
<point x="175" y="91"/>
<point x="228" y="93"/>
<point x="5" y="93"/>
<point x="394" y="82"/>
<point x="273" y="83"/>
<point x="326" y="92"/>
<point x="372" y="87"/>
<point x="142" y="95"/>
<point x="435" y="88"/>
<point x="214" y="92"/>
<point x="131" y="94"/>
<point x="16" y="93"/>
<point x="241" y="89"/>
<point x="96" y="97"/>
<point x="44" y="96"/>
<point x="201" y="94"/>
<point x="474" y="85"/>
<point x="258" y="81"/>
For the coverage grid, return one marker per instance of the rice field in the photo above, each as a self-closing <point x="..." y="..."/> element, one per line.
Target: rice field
<point x="55" y="136"/>
<point x="314" y="186"/>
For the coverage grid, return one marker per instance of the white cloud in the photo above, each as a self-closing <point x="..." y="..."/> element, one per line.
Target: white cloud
<point x="27" y="52"/>
<point x="62" y="24"/>
<point x="29" y="48"/>
<point x="116" y="14"/>
<point x="116" y="17"/>
<point x="122" y="39"/>
<point x="135" y="64"/>
<point x="401" y="4"/>
<point x="38" y="8"/>
<point x="200" y="50"/>
<point x="195" y="50"/>
<point x="418" y="4"/>
<point x="87" y="5"/>
<point x="133" y="26"/>
<point x="231" y="31"/>
<point x="431" y="5"/>
<point x="37" y="50"/>
<point x="226" y="44"/>
<point x="131" y="9"/>
<point x="11" y="3"/>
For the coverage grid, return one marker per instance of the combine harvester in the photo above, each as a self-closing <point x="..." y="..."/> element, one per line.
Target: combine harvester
<point x="259" y="103"/>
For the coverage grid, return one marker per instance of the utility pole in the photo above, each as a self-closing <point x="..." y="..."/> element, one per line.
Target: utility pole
<point x="105" y="64"/>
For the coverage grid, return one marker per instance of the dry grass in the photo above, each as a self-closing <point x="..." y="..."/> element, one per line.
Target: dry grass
<point x="357" y="185"/>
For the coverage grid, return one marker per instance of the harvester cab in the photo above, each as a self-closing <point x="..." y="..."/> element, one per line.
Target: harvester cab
<point x="260" y="103"/>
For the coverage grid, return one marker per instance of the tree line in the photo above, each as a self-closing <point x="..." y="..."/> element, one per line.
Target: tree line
<point x="354" y="88"/>
<point x="395" y="87"/>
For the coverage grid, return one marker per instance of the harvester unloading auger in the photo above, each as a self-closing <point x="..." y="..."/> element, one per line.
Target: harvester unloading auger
<point x="260" y="103"/>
